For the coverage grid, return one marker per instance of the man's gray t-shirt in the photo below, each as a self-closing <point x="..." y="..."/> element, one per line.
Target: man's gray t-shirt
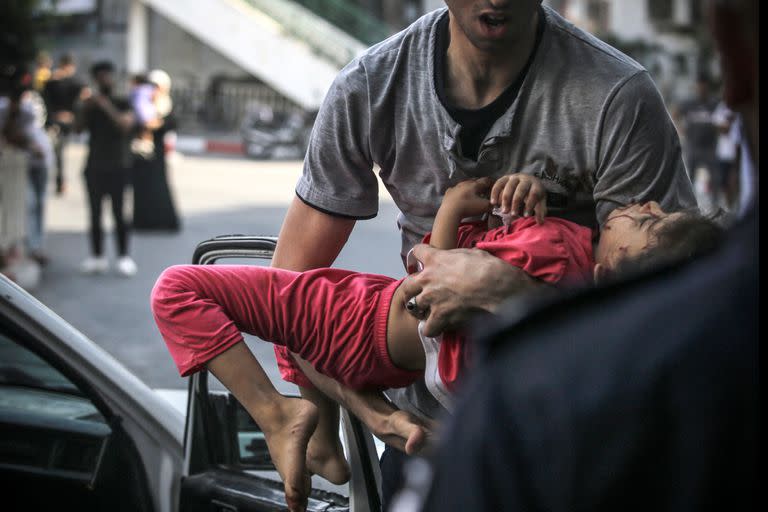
<point x="587" y="120"/>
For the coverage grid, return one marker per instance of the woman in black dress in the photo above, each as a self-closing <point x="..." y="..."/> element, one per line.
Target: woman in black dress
<point x="153" y="207"/>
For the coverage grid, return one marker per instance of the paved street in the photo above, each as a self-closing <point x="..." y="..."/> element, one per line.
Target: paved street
<point x="215" y="196"/>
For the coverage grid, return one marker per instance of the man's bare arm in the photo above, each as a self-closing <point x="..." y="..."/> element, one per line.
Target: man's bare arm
<point x="310" y="238"/>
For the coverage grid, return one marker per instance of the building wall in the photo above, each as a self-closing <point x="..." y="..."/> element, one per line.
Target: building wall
<point x="673" y="60"/>
<point x="190" y="62"/>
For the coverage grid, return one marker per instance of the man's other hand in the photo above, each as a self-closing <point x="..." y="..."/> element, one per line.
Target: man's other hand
<point x="454" y="284"/>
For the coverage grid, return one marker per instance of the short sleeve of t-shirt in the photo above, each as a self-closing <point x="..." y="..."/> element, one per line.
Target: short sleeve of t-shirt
<point x="639" y="152"/>
<point x="338" y="175"/>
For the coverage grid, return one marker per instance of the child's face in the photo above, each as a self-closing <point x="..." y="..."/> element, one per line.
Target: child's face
<point x="628" y="231"/>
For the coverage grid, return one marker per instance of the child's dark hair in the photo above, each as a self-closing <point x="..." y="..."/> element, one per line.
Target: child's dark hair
<point x="676" y="241"/>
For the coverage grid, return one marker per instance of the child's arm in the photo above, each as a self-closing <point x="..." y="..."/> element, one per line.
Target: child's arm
<point x="466" y="199"/>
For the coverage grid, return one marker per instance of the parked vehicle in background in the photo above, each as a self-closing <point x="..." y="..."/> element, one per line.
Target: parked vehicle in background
<point x="270" y="134"/>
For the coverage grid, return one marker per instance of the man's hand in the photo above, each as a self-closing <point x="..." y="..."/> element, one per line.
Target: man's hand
<point x="520" y="194"/>
<point x="456" y="283"/>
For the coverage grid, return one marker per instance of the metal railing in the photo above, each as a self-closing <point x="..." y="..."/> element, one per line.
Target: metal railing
<point x="222" y="108"/>
<point x="351" y="18"/>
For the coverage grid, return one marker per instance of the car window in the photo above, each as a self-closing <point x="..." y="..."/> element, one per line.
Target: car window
<point x="29" y="384"/>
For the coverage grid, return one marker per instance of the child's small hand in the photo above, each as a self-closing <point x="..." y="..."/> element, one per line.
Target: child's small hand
<point x="470" y="197"/>
<point x="520" y="194"/>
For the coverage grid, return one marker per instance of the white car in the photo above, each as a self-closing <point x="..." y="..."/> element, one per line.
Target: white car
<point x="77" y="429"/>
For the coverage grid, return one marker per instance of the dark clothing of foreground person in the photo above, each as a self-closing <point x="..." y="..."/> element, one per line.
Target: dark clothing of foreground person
<point x="569" y="415"/>
<point x="643" y="396"/>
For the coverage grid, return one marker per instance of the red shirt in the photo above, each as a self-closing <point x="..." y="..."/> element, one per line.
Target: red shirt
<point x="558" y="252"/>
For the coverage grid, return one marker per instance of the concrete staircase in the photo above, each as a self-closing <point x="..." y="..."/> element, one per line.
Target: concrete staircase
<point x="282" y="43"/>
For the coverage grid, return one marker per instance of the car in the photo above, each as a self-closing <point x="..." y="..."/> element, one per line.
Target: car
<point x="268" y="134"/>
<point x="78" y="429"/>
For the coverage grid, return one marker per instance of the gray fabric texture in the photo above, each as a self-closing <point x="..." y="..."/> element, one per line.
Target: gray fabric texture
<point x="588" y="121"/>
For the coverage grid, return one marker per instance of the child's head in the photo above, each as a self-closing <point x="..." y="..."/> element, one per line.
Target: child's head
<point x="640" y="237"/>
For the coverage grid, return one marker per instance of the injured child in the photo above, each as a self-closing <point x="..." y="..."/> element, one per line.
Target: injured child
<point x="357" y="328"/>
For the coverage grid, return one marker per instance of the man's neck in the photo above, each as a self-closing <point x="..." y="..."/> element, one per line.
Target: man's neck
<point x="475" y="77"/>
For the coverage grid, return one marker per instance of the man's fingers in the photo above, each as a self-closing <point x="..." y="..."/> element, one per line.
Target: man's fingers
<point x="410" y="287"/>
<point x="423" y="253"/>
<point x="435" y="323"/>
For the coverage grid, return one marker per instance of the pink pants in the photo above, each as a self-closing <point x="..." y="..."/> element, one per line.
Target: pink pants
<point x="334" y="319"/>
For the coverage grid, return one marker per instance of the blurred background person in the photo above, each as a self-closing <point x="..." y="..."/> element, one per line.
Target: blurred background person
<point x="725" y="176"/>
<point x="109" y="121"/>
<point x="22" y="123"/>
<point x="61" y="93"/>
<point x="153" y="205"/>
<point x="699" y="140"/>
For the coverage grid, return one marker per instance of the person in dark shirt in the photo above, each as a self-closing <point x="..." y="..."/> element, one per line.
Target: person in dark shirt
<point x="61" y="94"/>
<point x="638" y="396"/>
<point x="109" y="121"/>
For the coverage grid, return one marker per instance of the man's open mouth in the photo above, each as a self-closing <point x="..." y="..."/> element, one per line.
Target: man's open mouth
<point x="493" y="20"/>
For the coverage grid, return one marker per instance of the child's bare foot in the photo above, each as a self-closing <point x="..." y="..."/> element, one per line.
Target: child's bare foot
<point x="287" y="437"/>
<point x="325" y="457"/>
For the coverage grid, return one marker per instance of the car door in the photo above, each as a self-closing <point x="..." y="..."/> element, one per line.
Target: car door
<point x="76" y="428"/>
<point x="227" y="464"/>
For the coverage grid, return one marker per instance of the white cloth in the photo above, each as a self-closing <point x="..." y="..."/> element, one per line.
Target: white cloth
<point x="432" y="379"/>
<point x="727" y="142"/>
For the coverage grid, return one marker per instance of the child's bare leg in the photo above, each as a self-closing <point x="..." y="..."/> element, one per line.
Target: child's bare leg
<point x="325" y="455"/>
<point x="287" y="423"/>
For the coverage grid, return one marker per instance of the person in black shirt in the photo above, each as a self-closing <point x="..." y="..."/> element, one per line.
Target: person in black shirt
<point x="61" y="93"/>
<point x="109" y="121"/>
<point x="638" y="396"/>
